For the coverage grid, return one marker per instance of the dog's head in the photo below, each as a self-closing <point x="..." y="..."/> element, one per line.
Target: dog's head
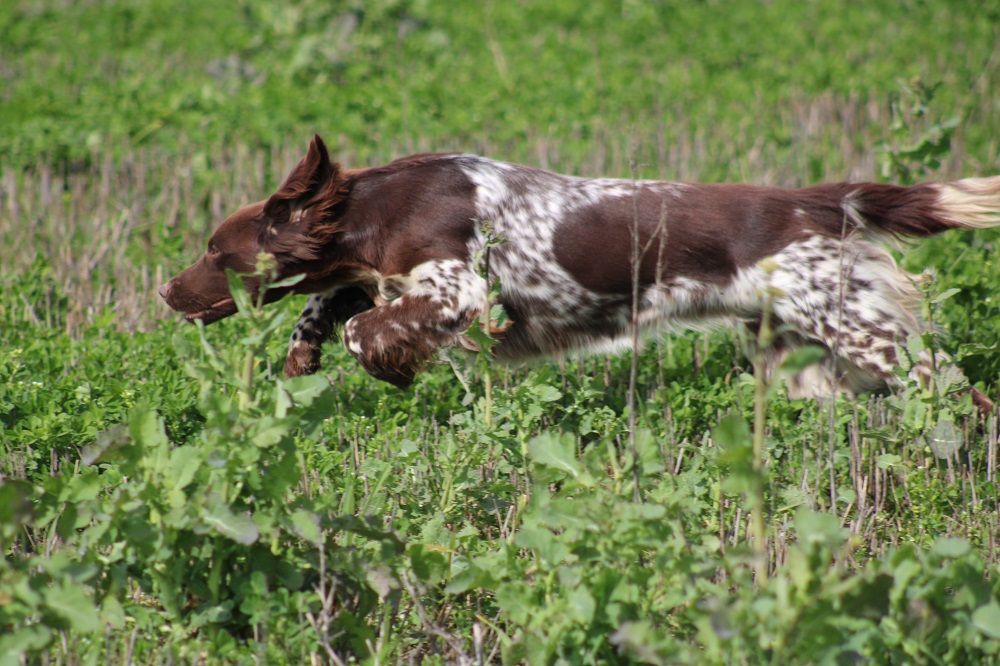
<point x="296" y="225"/>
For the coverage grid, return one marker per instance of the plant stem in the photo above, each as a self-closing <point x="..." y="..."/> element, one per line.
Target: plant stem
<point x="246" y="393"/>
<point x="485" y="323"/>
<point x="633" y="373"/>
<point x="487" y="398"/>
<point x="756" y="496"/>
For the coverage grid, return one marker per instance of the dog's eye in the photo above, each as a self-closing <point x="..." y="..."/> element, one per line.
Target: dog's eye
<point x="213" y="249"/>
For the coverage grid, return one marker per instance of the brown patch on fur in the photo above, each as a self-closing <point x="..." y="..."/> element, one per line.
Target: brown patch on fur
<point x="711" y="231"/>
<point x="702" y="232"/>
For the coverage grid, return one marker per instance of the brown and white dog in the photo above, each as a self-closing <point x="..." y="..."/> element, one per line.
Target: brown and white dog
<point x="391" y="252"/>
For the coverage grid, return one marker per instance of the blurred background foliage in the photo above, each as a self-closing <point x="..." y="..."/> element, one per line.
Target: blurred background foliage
<point x="386" y="74"/>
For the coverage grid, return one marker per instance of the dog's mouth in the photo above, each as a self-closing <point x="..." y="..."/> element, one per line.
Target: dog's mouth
<point x="214" y="312"/>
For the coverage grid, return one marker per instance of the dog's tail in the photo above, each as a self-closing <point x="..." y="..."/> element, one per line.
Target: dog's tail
<point x="923" y="210"/>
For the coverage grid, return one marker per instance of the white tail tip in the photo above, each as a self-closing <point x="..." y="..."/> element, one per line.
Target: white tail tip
<point x="972" y="202"/>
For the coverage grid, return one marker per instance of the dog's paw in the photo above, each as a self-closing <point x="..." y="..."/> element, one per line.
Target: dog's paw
<point x="302" y="359"/>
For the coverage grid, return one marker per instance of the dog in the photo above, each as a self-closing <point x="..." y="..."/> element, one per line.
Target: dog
<point x="395" y="255"/>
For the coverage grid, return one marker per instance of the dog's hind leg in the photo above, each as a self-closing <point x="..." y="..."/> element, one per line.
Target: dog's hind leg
<point x="849" y="296"/>
<point x="323" y="313"/>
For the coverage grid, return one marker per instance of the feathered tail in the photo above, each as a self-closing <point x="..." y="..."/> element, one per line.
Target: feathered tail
<point x="923" y="210"/>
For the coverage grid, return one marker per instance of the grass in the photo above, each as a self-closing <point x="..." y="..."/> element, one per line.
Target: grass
<point x="551" y="522"/>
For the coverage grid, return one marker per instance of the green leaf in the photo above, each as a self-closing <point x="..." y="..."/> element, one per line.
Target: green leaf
<point x="238" y="527"/>
<point x="732" y="432"/>
<point x="546" y="393"/>
<point x="945" y="439"/>
<point x="945" y="295"/>
<point x="648" y="448"/>
<point x="951" y="547"/>
<point x="66" y="524"/>
<point x="801" y="358"/>
<point x="69" y="601"/>
<point x="15" y="502"/>
<point x="887" y="460"/>
<point x="517" y="600"/>
<point x="306" y="388"/>
<point x="238" y="291"/>
<point x="470" y="578"/>
<point x="915" y="345"/>
<point x="542" y="542"/>
<point x="480" y="337"/>
<point x="637" y="639"/>
<point x="24" y="640"/>
<point x="112" y="612"/>
<point x="555" y="451"/>
<point x="184" y="464"/>
<point x="82" y="488"/>
<point x="429" y="562"/>
<point x="814" y="527"/>
<point x="381" y="579"/>
<point x="498" y="315"/>
<point x="287" y="282"/>
<point x="146" y="428"/>
<point x="986" y="619"/>
<point x="268" y="431"/>
<point x="306" y="524"/>
<point x="213" y="614"/>
<point x="580" y="605"/>
<point x="107" y="441"/>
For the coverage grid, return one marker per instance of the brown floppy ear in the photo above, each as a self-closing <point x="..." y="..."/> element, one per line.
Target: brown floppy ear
<point x="302" y="213"/>
<point x="314" y="180"/>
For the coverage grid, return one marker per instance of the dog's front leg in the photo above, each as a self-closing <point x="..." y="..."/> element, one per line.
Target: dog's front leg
<point x="439" y="301"/>
<point x="319" y="320"/>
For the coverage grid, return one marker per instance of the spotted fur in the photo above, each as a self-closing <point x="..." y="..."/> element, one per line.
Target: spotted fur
<point x="392" y="253"/>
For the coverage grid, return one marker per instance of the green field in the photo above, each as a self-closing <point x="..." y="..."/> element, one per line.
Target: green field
<point x="160" y="504"/>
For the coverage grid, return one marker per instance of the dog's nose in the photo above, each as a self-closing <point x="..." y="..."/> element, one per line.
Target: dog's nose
<point x="164" y="291"/>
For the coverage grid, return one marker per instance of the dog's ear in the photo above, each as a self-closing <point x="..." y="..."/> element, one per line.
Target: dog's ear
<point x="313" y="180"/>
<point x="302" y="214"/>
